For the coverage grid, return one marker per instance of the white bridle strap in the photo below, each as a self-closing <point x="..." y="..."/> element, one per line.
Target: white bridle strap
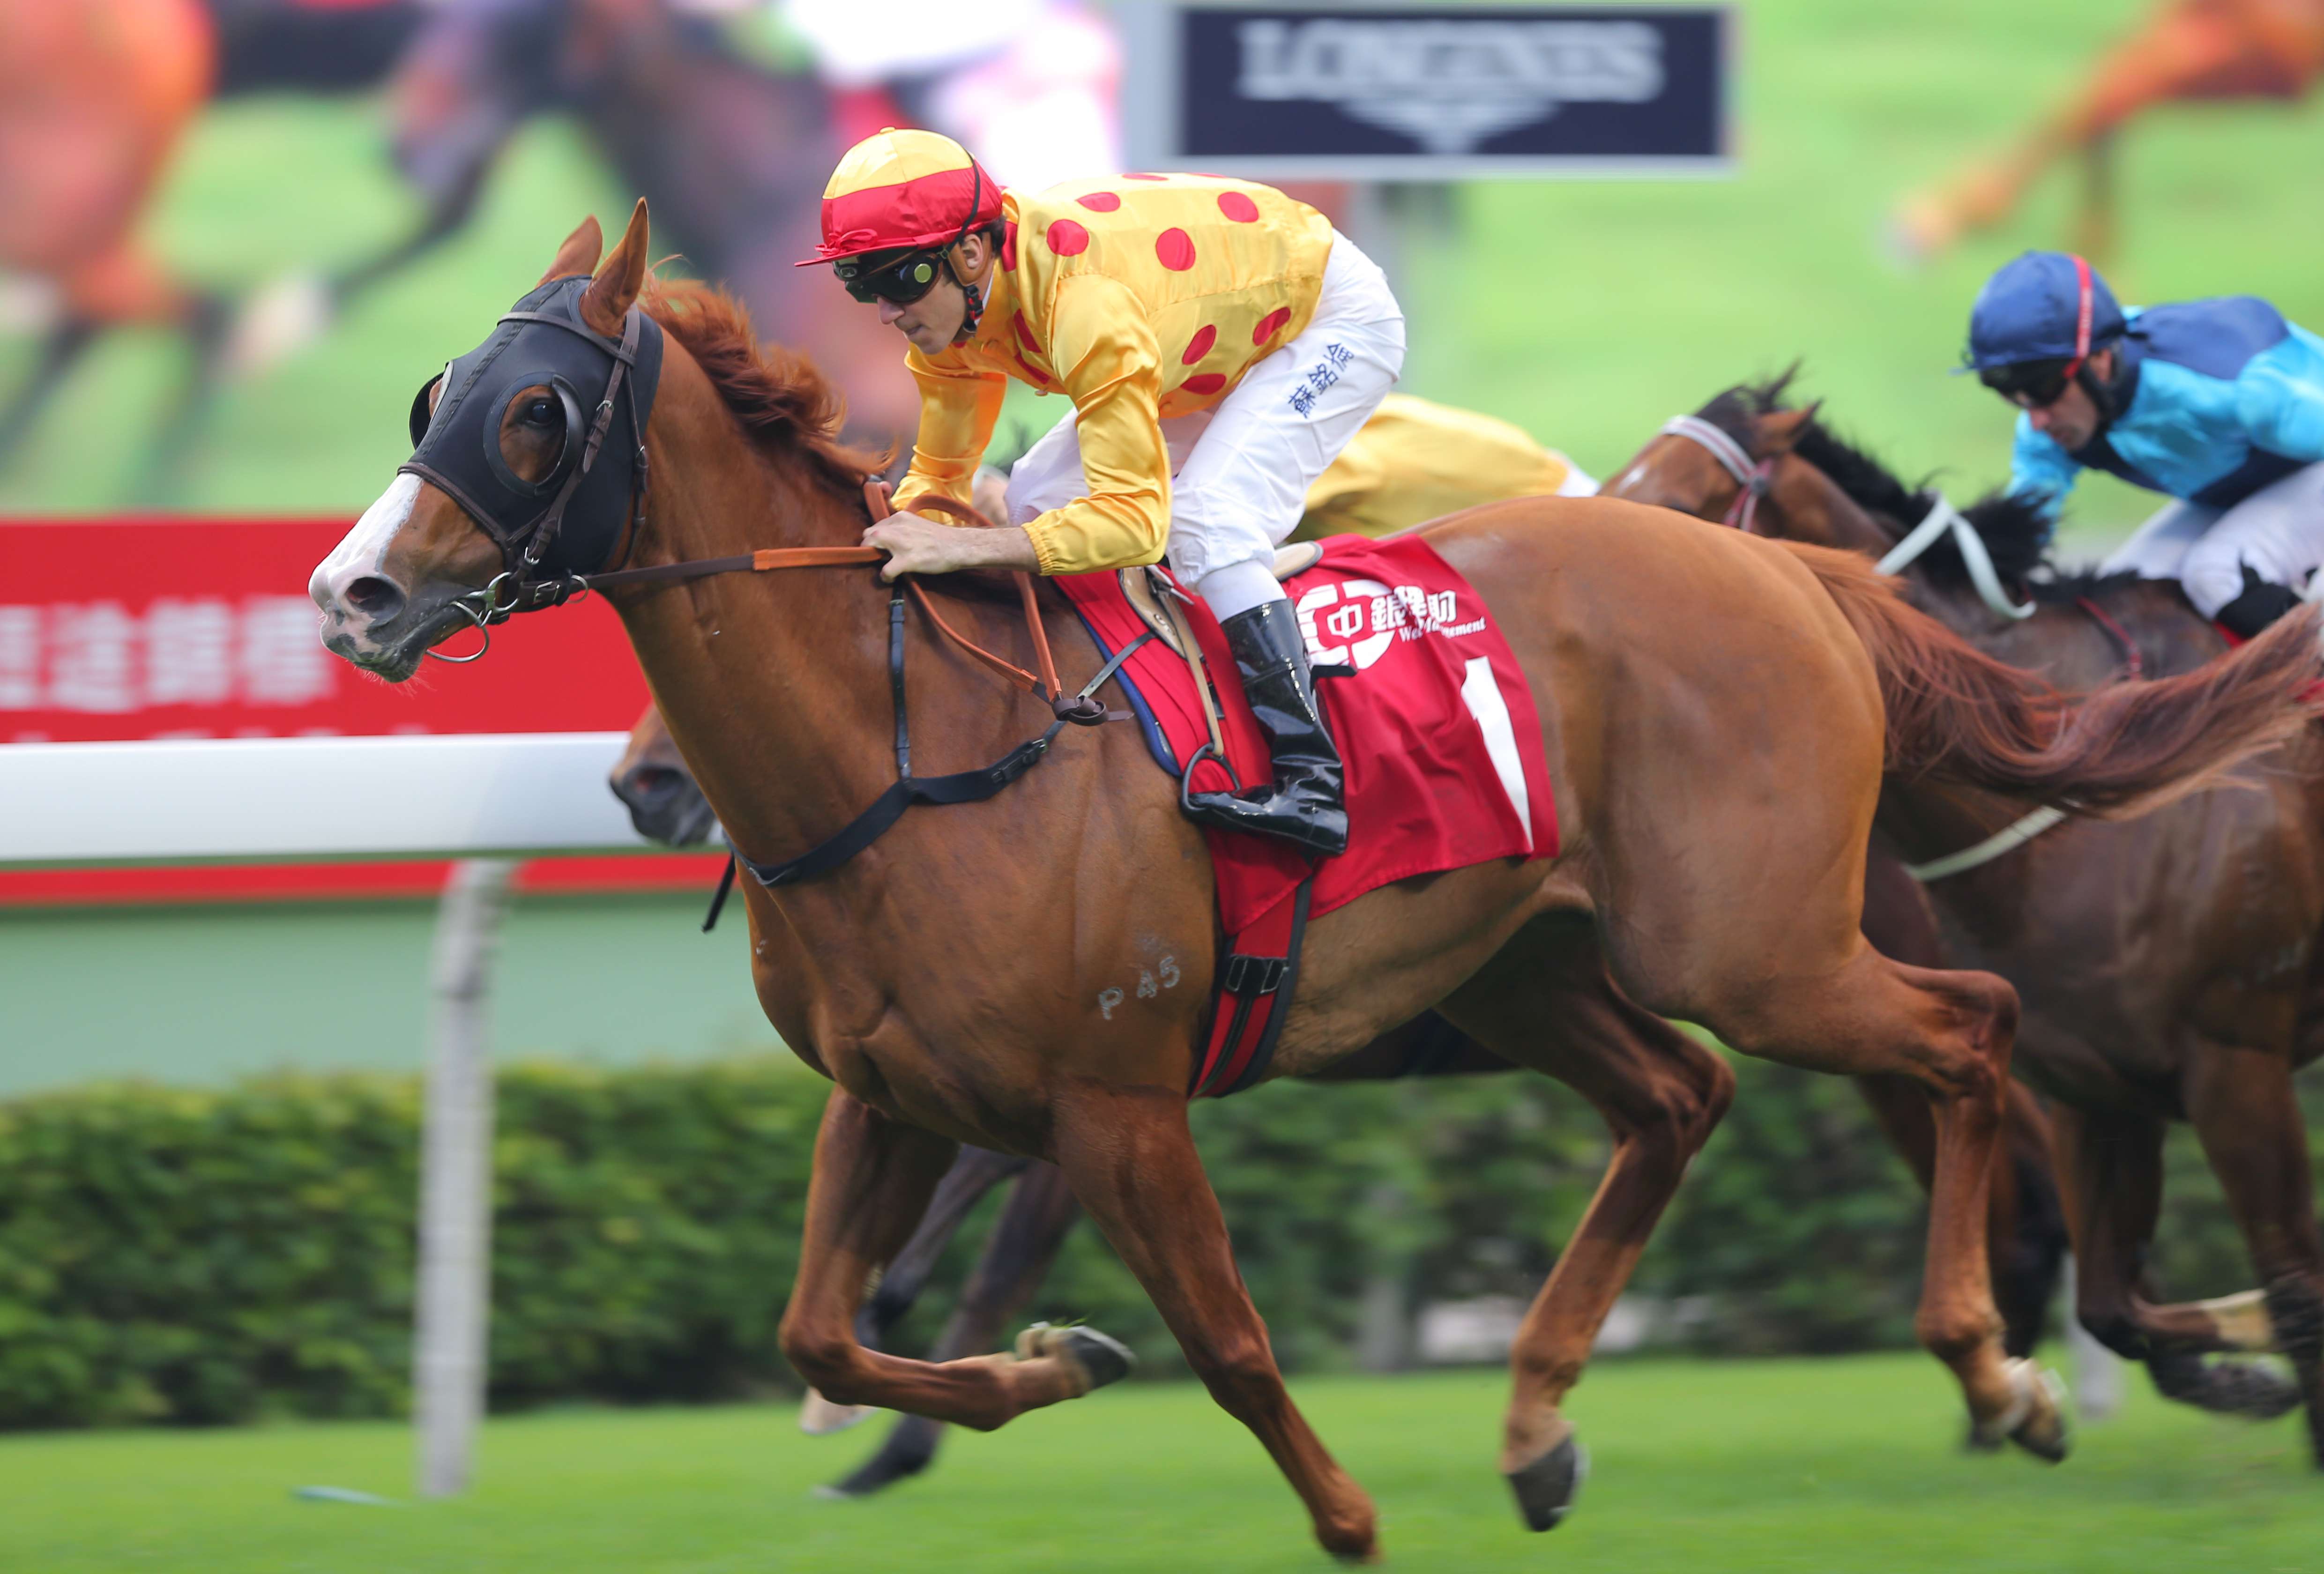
<point x="1943" y="519"/>
<point x="1731" y="453"/>
<point x="2007" y="840"/>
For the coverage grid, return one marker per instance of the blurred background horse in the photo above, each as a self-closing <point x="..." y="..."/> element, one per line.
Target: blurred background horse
<point x="732" y="143"/>
<point x="2188" y="51"/>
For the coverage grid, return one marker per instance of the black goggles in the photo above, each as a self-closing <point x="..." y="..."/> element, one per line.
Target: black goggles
<point x="885" y="276"/>
<point x="2029" y="384"/>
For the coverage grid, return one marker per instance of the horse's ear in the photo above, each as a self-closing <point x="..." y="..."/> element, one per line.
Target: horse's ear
<point x="1776" y="432"/>
<point x="614" y="291"/>
<point x="579" y="254"/>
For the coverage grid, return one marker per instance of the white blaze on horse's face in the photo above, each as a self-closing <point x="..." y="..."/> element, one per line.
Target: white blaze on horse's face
<point x="365" y="548"/>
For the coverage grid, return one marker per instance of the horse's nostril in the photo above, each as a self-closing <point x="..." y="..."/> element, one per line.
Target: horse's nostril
<point x="650" y="781"/>
<point x="373" y="597"/>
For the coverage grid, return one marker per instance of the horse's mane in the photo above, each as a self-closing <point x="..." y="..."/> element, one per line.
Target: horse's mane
<point x="2015" y="534"/>
<point x="786" y="408"/>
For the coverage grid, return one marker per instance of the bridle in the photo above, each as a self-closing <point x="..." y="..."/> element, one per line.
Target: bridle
<point x="1753" y="476"/>
<point x="581" y="512"/>
<point x="456" y="450"/>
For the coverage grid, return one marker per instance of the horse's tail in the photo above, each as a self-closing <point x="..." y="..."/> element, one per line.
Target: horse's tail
<point x="1957" y="715"/>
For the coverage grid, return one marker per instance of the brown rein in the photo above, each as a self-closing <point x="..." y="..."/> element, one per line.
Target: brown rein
<point x="1085" y="709"/>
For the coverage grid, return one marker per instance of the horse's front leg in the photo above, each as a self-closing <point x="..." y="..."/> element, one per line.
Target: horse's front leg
<point x="874" y="1176"/>
<point x="1132" y="1161"/>
<point x="2247" y="1113"/>
<point x="2111" y="1162"/>
<point x="974" y="1172"/>
<point x="1039" y="1215"/>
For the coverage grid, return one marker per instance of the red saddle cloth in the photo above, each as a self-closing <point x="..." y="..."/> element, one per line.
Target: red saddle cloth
<point x="1432" y="715"/>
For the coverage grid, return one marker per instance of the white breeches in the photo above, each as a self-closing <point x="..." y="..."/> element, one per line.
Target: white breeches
<point x="2278" y="530"/>
<point x="1241" y="470"/>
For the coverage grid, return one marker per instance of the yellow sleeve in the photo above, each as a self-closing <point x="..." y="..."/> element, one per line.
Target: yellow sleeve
<point x="959" y="407"/>
<point x="1101" y="343"/>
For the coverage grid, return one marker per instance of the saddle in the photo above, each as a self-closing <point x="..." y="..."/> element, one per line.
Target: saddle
<point x="1435" y="719"/>
<point x="1431" y="712"/>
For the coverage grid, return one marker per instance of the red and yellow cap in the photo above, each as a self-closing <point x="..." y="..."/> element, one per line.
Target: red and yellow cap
<point x="903" y="188"/>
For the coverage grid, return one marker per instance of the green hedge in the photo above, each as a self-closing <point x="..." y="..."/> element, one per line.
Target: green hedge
<point x="217" y="1256"/>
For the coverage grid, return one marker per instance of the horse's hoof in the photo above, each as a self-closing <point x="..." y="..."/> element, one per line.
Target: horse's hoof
<point x="820" y="1418"/>
<point x="1098" y="1358"/>
<point x="2035" y="1420"/>
<point x="2228" y="1386"/>
<point x="1546" y="1488"/>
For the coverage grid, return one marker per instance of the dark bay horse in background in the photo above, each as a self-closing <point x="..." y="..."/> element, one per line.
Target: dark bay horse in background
<point x="2169" y="966"/>
<point x="2026" y="1232"/>
<point x="1720" y="712"/>
<point x="732" y="153"/>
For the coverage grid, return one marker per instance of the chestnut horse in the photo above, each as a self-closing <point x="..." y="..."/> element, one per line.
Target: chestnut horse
<point x="2026" y="1227"/>
<point x="1719" y="712"/>
<point x="2188" y="50"/>
<point x="94" y="98"/>
<point x="2168" y="967"/>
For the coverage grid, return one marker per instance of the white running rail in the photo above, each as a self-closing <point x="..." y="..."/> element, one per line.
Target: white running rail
<point x="484" y="800"/>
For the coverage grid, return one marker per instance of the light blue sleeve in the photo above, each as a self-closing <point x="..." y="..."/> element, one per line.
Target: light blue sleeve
<point x="2040" y="470"/>
<point x="2280" y="397"/>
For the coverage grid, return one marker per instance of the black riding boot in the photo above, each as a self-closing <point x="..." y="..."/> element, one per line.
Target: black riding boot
<point x="1305" y="803"/>
<point x="2261" y="603"/>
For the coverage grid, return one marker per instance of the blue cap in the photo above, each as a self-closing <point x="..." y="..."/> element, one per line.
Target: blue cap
<point x="2031" y="309"/>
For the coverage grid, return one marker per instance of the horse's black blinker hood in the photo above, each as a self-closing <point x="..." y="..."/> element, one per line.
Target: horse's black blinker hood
<point x="568" y="522"/>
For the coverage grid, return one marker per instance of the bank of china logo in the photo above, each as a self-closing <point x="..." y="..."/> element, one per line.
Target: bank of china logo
<point x="1352" y="622"/>
<point x="1449" y="84"/>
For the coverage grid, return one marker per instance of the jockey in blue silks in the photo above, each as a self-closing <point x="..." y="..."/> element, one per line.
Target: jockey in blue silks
<point x="2219" y="403"/>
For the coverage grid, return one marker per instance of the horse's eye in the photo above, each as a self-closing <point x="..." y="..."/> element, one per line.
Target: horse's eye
<point x="540" y="413"/>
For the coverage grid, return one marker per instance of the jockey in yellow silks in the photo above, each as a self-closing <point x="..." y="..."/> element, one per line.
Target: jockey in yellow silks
<point x="1222" y="343"/>
<point x="1416" y="460"/>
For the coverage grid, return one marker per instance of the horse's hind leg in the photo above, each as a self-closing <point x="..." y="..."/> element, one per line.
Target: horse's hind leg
<point x="2245" y="1110"/>
<point x="161" y="472"/>
<point x="1132" y="1162"/>
<point x="874" y="1176"/>
<point x="1040" y="1213"/>
<point x="1952" y="1032"/>
<point x="1545" y="1002"/>
<point x="60" y="349"/>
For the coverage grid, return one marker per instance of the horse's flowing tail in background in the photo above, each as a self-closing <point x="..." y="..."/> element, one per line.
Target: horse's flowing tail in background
<point x="1957" y="715"/>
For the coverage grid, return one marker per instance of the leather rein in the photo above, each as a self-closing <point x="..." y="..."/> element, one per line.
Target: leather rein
<point x="1080" y="709"/>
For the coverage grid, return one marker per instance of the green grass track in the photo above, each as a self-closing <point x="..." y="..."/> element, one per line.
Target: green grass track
<point x="1838" y="1464"/>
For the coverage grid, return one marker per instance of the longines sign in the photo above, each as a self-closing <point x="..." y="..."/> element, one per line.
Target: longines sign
<point x="1425" y="92"/>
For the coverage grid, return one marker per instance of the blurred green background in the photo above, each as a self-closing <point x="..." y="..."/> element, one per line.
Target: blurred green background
<point x="1586" y="311"/>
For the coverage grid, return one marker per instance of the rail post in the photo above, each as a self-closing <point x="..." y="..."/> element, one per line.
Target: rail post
<point x="454" y="1305"/>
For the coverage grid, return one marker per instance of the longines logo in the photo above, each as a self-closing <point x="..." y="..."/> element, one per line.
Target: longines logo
<point x="1449" y="84"/>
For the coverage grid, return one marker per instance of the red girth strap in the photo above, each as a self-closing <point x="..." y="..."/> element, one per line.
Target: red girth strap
<point x="1250" y="998"/>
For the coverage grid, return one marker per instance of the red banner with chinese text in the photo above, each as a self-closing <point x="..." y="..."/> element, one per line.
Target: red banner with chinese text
<point x="201" y="628"/>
